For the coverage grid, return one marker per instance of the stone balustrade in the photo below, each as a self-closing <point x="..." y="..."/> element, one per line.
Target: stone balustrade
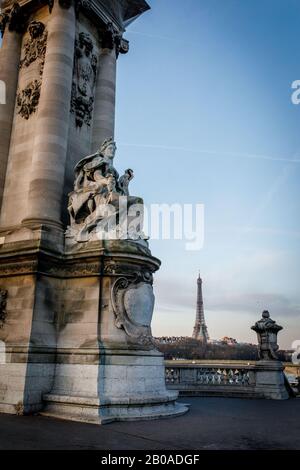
<point x="227" y="380"/>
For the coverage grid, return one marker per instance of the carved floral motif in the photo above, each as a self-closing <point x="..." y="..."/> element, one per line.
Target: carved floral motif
<point x="35" y="45"/>
<point x="28" y="99"/>
<point x="34" y="49"/>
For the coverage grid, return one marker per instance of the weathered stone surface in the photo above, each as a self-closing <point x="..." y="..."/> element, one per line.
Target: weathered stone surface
<point x="77" y="321"/>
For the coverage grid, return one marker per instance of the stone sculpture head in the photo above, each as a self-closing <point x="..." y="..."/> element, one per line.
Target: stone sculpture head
<point x="129" y="173"/>
<point x="108" y="149"/>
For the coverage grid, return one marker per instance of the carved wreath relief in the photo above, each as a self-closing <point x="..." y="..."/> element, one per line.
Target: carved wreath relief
<point x="34" y="49"/>
<point x="84" y="79"/>
<point x="133" y="304"/>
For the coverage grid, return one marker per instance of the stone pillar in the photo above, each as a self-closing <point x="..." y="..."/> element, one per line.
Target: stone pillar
<point x="104" y="109"/>
<point x="76" y="311"/>
<point x="51" y="135"/>
<point x="9" y="70"/>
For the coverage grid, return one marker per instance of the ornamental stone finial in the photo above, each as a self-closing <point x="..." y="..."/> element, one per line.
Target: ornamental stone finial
<point x="267" y="330"/>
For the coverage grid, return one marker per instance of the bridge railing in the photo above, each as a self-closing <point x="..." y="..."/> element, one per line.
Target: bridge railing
<point x="233" y="380"/>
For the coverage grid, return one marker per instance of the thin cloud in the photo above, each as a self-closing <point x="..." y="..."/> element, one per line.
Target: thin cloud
<point x="152" y="36"/>
<point x="213" y="152"/>
<point x="259" y="230"/>
<point x="172" y="297"/>
<point x="251" y="303"/>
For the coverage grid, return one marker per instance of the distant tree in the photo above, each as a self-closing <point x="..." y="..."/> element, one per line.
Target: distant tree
<point x="193" y="349"/>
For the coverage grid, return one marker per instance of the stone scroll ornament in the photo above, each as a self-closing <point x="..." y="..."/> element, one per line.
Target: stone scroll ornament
<point x="133" y="304"/>
<point x="96" y="200"/>
<point x="84" y="80"/>
<point x="28" y="99"/>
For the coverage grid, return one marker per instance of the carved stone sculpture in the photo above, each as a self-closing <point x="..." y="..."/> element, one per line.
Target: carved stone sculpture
<point x="96" y="196"/>
<point x="84" y="79"/>
<point x="267" y="330"/>
<point x="3" y="297"/>
<point x="35" y="45"/>
<point x="124" y="181"/>
<point x="28" y="99"/>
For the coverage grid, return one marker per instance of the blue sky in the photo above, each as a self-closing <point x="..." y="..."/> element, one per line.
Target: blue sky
<point x="204" y="115"/>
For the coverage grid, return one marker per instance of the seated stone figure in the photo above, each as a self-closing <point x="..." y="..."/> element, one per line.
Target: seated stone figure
<point x="98" y="187"/>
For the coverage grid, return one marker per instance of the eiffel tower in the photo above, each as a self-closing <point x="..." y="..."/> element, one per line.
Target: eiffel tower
<point x="200" y="329"/>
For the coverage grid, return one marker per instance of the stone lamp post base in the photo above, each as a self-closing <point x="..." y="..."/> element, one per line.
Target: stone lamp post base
<point x="270" y="380"/>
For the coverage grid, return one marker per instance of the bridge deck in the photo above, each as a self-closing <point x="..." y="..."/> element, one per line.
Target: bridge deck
<point x="212" y="423"/>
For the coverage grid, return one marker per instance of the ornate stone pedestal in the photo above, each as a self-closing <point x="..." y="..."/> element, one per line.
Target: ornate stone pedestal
<point x="82" y="348"/>
<point x="107" y="366"/>
<point x="75" y="310"/>
<point x="122" y="387"/>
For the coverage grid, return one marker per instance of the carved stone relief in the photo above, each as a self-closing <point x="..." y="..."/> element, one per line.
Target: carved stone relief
<point x="111" y="38"/>
<point x="3" y="297"/>
<point x="133" y="302"/>
<point x="28" y="99"/>
<point x="35" y="46"/>
<point x="34" y="50"/>
<point x="84" y="79"/>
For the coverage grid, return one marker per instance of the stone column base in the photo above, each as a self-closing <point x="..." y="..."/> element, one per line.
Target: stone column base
<point x="90" y="410"/>
<point x="23" y="385"/>
<point x="124" y="387"/>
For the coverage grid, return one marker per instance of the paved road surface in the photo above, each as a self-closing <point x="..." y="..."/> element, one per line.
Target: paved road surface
<point x="212" y="423"/>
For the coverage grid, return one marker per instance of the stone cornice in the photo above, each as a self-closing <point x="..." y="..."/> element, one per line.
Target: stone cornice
<point x="29" y="258"/>
<point x="100" y="12"/>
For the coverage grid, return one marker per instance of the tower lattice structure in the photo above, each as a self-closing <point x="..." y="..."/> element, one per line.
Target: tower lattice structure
<point x="200" y="331"/>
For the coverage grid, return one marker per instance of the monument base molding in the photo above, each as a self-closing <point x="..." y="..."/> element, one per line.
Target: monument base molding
<point x="77" y="334"/>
